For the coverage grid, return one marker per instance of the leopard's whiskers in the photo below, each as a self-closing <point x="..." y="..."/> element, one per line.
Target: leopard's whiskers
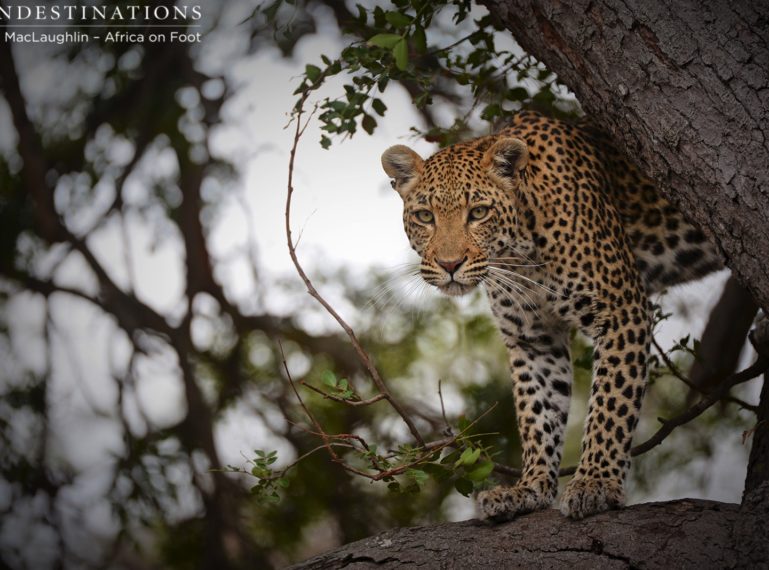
<point x="385" y="293"/>
<point x="521" y="290"/>
<point x="506" y="261"/>
<point x="519" y="276"/>
<point x="491" y="282"/>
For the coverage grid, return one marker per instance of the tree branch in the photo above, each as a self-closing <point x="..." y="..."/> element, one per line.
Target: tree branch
<point x="724" y="336"/>
<point x="705" y="535"/>
<point x="34" y="167"/>
<point x="364" y="357"/>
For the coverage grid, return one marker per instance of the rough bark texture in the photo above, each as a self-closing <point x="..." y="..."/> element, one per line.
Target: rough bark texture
<point x="684" y="87"/>
<point x="678" y="534"/>
<point x="758" y="463"/>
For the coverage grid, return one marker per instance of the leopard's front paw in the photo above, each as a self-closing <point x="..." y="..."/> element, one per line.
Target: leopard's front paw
<point x="504" y="503"/>
<point x="584" y="497"/>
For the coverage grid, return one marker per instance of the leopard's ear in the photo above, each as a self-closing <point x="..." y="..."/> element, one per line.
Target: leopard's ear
<point x="403" y="165"/>
<point x="506" y="159"/>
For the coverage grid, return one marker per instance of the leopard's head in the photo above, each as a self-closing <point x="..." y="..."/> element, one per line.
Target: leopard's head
<point x="459" y="207"/>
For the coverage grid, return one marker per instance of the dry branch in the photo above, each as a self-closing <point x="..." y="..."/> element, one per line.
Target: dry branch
<point x="363" y="355"/>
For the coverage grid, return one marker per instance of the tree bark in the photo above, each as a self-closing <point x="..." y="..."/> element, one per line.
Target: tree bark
<point x="684" y="88"/>
<point x="758" y="462"/>
<point x="678" y="534"/>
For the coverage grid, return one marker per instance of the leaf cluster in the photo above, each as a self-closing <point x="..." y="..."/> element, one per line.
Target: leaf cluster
<point x="403" y="44"/>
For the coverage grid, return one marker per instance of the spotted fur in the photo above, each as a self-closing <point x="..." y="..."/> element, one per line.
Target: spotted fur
<point x="563" y="232"/>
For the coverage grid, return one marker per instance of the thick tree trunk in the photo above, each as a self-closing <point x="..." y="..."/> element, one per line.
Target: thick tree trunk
<point x="684" y="87"/>
<point x="758" y="463"/>
<point x="679" y="534"/>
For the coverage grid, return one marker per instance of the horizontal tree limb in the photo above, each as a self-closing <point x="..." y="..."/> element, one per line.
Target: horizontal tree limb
<point x="689" y="533"/>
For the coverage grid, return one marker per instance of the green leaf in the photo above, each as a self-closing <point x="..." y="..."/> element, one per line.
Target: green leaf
<point x="386" y="41"/>
<point x="394" y="487"/>
<point x="491" y="111"/>
<point x="379" y="17"/>
<point x="329" y="379"/>
<point x="325" y="142"/>
<point x="398" y="19"/>
<point x="450" y="458"/>
<point x="419" y="476"/>
<point x="283" y="482"/>
<point x="379" y="107"/>
<point x="482" y="471"/>
<point x="338" y="106"/>
<point x="260" y="472"/>
<point x="312" y="72"/>
<point x="368" y="123"/>
<point x="464" y="486"/>
<point x="419" y="40"/>
<point x="518" y="94"/>
<point x="544" y="96"/>
<point x="438" y="472"/>
<point x="401" y="54"/>
<point x="362" y="14"/>
<point x="468" y="457"/>
<point x="273" y="498"/>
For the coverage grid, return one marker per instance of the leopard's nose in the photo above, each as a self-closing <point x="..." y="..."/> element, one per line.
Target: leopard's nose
<point x="451" y="265"/>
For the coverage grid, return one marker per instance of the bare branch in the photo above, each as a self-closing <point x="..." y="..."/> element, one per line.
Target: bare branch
<point x="443" y="409"/>
<point x="675" y="372"/>
<point x="757" y="368"/>
<point x="35" y="166"/>
<point x="363" y="355"/>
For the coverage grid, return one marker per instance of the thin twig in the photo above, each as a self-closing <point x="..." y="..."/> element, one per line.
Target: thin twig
<point x="428" y="450"/>
<point x="443" y="408"/>
<point x="361" y="352"/>
<point x="673" y="369"/>
<point x="757" y="368"/>
<point x="284" y="470"/>
<point x="307" y="411"/>
<point x="353" y="403"/>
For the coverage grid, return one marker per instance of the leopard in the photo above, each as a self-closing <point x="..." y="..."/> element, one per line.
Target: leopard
<point x="563" y="232"/>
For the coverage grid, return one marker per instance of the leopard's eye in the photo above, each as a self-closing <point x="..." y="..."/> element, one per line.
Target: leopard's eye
<point x="478" y="213"/>
<point x="424" y="216"/>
